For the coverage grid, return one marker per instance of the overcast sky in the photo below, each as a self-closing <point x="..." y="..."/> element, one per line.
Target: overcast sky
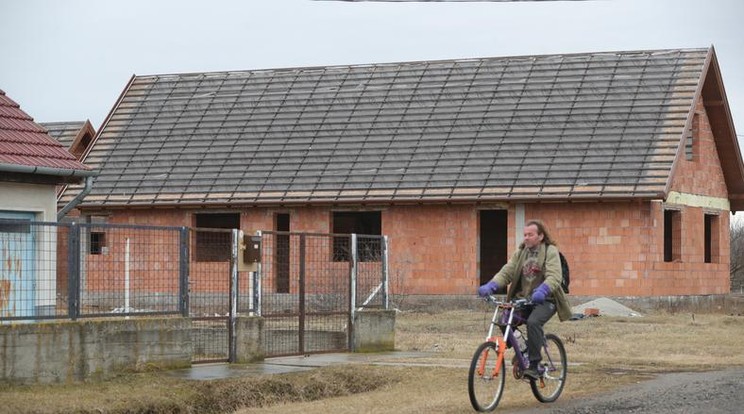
<point x="68" y="60"/>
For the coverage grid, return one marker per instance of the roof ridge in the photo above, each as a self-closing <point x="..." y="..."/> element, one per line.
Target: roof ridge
<point x="424" y="61"/>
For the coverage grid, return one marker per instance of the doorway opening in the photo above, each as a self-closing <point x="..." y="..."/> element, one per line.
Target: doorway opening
<point x="281" y="251"/>
<point x="493" y="242"/>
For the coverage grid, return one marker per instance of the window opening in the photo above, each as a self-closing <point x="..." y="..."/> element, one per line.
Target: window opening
<point x="361" y="223"/>
<point x="97" y="242"/>
<point x="691" y="142"/>
<point x="711" y="238"/>
<point x="215" y="246"/>
<point x="97" y="235"/>
<point x="281" y="252"/>
<point x="672" y="235"/>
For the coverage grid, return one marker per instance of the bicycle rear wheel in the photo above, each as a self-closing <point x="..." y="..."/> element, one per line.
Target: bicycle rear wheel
<point x="486" y="377"/>
<point x="550" y="385"/>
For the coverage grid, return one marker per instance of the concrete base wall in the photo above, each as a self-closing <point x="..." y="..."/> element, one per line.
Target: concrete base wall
<point x="249" y="337"/>
<point x="71" y="351"/>
<point x="58" y="352"/>
<point x="374" y="331"/>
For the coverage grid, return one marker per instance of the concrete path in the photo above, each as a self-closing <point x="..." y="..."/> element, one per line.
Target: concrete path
<point x="281" y="365"/>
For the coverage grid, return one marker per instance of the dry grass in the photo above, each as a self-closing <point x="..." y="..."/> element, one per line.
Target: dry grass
<point x="604" y="353"/>
<point x="160" y="393"/>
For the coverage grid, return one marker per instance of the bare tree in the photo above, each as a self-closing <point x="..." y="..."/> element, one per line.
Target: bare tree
<point x="737" y="255"/>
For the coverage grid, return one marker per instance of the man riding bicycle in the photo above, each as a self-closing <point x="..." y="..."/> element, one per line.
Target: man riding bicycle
<point x="534" y="272"/>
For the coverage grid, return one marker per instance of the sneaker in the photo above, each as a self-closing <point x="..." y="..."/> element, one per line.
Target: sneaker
<point x="532" y="372"/>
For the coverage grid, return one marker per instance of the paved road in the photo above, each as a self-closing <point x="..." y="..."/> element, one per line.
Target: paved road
<point x="700" y="392"/>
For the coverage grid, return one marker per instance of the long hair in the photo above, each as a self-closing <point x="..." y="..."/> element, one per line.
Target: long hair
<point x="542" y="229"/>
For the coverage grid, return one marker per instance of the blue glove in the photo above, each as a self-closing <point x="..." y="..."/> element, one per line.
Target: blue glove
<point x="488" y="289"/>
<point x="540" y="293"/>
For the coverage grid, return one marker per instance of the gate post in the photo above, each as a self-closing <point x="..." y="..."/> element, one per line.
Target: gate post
<point x="385" y="274"/>
<point x="303" y="304"/>
<point x="73" y="271"/>
<point x="183" y="272"/>
<point x="236" y="238"/>
<point x="353" y="285"/>
<point x="257" y="290"/>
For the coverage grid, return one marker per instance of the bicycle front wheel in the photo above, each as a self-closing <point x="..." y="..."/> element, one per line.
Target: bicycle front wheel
<point x="486" y="377"/>
<point x="549" y="386"/>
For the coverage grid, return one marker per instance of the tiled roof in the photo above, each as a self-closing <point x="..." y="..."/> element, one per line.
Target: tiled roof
<point x="64" y="132"/>
<point x="557" y="127"/>
<point x="26" y="148"/>
<point x="75" y="136"/>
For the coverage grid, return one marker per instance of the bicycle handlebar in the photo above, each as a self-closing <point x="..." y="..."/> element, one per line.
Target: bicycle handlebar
<point x="515" y="303"/>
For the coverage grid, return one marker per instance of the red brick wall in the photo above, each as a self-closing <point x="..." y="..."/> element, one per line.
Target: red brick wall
<point x="617" y="249"/>
<point x="614" y="249"/>
<point x="432" y="248"/>
<point x="607" y="245"/>
<point x="702" y="175"/>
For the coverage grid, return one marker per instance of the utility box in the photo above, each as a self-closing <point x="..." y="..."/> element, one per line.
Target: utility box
<point x="250" y="252"/>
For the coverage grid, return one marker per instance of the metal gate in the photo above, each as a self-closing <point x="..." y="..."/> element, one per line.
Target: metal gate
<point x="310" y="285"/>
<point x="218" y="292"/>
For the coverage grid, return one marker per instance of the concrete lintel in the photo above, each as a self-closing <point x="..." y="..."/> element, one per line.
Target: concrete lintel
<point x="695" y="200"/>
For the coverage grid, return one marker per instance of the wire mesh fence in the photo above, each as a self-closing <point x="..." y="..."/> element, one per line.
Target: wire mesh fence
<point x="310" y="284"/>
<point x="75" y="270"/>
<point x="130" y="269"/>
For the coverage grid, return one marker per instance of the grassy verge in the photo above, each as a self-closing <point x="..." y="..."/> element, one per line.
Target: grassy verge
<point x="160" y="393"/>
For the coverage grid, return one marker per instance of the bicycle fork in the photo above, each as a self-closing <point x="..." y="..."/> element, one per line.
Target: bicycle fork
<point x="499" y="359"/>
<point x="500" y="343"/>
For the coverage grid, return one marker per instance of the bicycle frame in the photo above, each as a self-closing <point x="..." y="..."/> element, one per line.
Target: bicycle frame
<point x="504" y="315"/>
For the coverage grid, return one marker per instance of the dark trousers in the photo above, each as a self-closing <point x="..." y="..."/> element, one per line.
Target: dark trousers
<point x="539" y="316"/>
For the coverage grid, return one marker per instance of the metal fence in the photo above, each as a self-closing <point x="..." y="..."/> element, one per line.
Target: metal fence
<point x="310" y="284"/>
<point x="75" y="270"/>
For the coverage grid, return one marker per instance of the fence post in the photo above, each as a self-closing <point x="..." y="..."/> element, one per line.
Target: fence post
<point x="257" y="281"/>
<point x="301" y="342"/>
<point x="183" y="272"/>
<point x="385" y="274"/>
<point x="256" y="306"/>
<point x="234" y="251"/>
<point x="353" y="275"/>
<point x="73" y="271"/>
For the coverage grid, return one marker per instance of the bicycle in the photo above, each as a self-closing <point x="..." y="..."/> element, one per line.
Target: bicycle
<point x="487" y="373"/>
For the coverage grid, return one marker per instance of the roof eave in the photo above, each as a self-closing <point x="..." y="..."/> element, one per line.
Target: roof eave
<point x="202" y="204"/>
<point x="49" y="171"/>
<point x="724" y="133"/>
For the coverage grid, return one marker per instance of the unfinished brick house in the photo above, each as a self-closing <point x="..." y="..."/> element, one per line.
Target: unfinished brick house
<point x="630" y="157"/>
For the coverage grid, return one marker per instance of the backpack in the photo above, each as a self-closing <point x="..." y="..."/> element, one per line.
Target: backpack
<point x="565" y="270"/>
<point x="566" y="273"/>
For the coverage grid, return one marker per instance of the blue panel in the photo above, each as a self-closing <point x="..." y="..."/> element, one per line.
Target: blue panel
<point x="17" y="276"/>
